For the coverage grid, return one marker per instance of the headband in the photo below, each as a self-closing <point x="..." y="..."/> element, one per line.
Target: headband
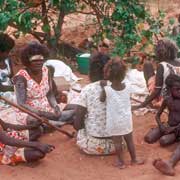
<point x="36" y="57"/>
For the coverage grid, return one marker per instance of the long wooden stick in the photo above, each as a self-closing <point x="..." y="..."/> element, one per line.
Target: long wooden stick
<point x="43" y="120"/>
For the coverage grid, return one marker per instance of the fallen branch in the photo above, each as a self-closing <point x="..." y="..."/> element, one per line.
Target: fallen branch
<point x="43" y="120"/>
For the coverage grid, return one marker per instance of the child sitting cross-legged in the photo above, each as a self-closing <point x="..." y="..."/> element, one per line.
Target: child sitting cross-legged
<point x="118" y="110"/>
<point x="14" y="148"/>
<point x="170" y="132"/>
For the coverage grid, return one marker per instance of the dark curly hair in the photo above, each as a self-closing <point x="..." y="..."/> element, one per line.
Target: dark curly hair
<point x="171" y="80"/>
<point x="166" y="50"/>
<point x="31" y="49"/>
<point x="6" y="42"/>
<point x="97" y="62"/>
<point x="115" y="69"/>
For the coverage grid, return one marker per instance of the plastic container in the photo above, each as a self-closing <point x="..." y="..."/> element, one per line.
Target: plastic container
<point x="83" y="63"/>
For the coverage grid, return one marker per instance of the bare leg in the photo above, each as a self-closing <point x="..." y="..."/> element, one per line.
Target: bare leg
<point x="167" y="139"/>
<point x="117" y="140"/>
<point x="153" y="135"/>
<point x="167" y="167"/>
<point x="131" y="148"/>
<point x="32" y="155"/>
<point x="35" y="134"/>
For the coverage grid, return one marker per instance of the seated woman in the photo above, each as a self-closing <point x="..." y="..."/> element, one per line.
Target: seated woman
<point x="6" y="87"/>
<point x="169" y="133"/>
<point x="14" y="147"/>
<point x="90" y="119"/>
<point x="166" y="54"/>
<point x="33" y="87"/>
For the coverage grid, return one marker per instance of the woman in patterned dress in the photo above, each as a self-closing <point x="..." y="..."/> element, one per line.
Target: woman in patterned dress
<point x="34" y="91"/>
<point x="90" y="119"/>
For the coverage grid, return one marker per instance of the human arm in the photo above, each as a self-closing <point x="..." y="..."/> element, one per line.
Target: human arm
<point x="79" y="117"/>
<point x="158" y="115"/>
<point x="158" y="87"/>
<point x="51" y="94"/>
<point x="6" y="126"/>
<point x="44" y="148"/>
<point x="21" y="96"/>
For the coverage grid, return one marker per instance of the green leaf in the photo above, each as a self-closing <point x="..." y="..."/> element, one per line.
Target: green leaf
<point x="46" y="28"/>
<point x="171" y="21"/>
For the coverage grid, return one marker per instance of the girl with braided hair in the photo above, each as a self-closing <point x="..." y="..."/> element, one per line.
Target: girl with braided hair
<point x="118" y="110"/>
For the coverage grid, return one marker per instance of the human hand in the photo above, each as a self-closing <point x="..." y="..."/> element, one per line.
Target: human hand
<point x="47" y="115"/>
<point x="57" y="111"/>
<point x="44" y="148"/>
<point x="166" y="130"/>
<point x="135" y="107"/>
<point x="34" y="125"/>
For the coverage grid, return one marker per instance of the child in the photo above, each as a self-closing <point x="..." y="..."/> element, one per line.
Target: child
<point x="168" y="133"/>
<point x="118" y="110"/>
<point x="14" y="148"/>
<point x="171" y="132"/>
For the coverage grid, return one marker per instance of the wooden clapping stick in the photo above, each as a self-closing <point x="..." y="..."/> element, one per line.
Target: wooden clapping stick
<point x="43" y="120"/>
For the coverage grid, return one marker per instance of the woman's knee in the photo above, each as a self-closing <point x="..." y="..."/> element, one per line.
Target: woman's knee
<point x="152" y="136"/>
<point x="148" y="139"/>
<point x="167" y="140"/>
<point x="35" y="134"/>
<point x="39" y="155"/>
<point x="33" y="155"/>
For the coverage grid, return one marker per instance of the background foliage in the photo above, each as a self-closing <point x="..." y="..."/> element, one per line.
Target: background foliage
<point x="126" y="23"/>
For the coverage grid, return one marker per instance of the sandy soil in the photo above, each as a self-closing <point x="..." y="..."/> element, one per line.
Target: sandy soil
<point x="66" y="162"/>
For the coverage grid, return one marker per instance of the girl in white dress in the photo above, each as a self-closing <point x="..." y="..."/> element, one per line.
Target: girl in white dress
<point x="118" y="110"/>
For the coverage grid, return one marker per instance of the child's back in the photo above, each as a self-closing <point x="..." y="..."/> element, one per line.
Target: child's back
<point x="118" y="111"/>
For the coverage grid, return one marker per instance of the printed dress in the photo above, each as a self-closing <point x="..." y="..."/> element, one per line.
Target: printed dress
<point x="11" y="155"/>
<point x="36" y="98"/>
<point x="93" y="138"/>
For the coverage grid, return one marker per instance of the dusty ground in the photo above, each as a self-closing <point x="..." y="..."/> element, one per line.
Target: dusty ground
<point x="66" y="162"/>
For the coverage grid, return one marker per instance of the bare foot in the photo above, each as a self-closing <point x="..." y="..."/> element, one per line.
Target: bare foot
<point x="120" y="165"/>
<point x="137" y="162"/>
<point x="164" y="167"/>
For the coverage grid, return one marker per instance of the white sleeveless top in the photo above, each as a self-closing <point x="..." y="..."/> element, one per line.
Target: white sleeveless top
<point x="118" y="111"/>
<point x="168" y="69"/>
<point x="5" y="73"/>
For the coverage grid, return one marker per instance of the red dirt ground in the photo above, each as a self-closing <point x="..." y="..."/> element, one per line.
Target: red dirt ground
<point x="66" y="162"/>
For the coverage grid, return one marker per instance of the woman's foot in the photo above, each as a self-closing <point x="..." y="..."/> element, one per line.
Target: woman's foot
<point x="137" y="162"/>
<point x="164" y="167"/>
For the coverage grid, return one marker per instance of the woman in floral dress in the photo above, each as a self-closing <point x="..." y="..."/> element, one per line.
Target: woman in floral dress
<point x="34" y="91"/>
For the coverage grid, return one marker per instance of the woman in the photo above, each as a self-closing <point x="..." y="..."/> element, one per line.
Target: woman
<point x="6" y="87"/>
<point x="166" y="52"/>
<point x="90" y="120"/>
<point x="33" y="87"/>
<point x="15" y="149"/>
